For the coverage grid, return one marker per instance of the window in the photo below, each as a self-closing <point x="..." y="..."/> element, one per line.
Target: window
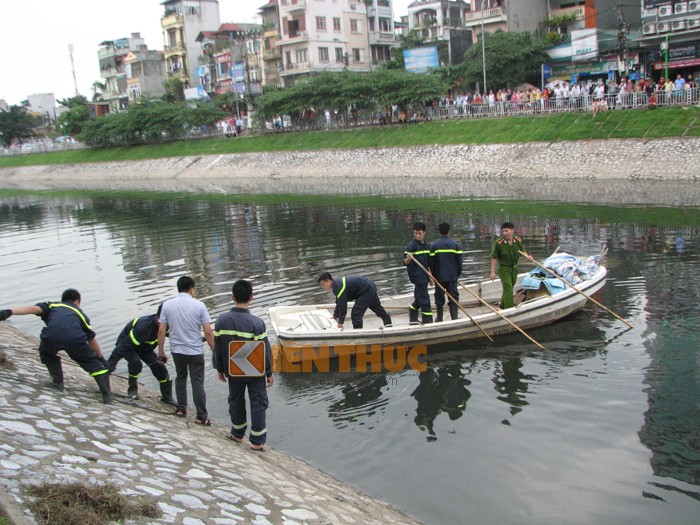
<point x="385" y="25"/>
<point x="355" y="25"/>
<point x="336" y="24"/>
<point x="339" y="54"/>
<point x="301" y="56"/>
<point x="357" y="55"/>
<point x="323" y="54"/>
<point x="321" y="23"/>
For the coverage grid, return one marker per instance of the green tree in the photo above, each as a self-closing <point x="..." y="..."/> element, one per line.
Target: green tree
<point x="511" y="58"/>
<point x="74" y="119"/>
<point x="16" y="123"/>
<point x="174" y="90"/>
<point x="149" y="122"/>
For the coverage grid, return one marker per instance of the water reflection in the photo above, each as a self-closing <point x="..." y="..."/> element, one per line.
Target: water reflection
<point x="440" y="390"/>
<point x="599" y="391"/>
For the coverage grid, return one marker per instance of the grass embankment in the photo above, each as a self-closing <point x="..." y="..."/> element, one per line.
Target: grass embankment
<point x="663" y="122"/>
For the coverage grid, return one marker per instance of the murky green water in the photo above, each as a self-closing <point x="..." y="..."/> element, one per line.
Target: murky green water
<point x="602" y="427"/>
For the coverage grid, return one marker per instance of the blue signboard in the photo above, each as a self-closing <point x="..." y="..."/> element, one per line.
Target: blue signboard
<point x="420" y="59"/>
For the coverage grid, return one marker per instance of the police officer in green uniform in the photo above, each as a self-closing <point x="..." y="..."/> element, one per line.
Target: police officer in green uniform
<point x="505" y="251"/>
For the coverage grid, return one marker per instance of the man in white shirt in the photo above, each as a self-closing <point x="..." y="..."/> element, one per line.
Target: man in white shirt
<point x="185" y="317"/>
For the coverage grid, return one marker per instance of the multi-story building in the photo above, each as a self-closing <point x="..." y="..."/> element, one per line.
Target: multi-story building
<point x="231" y="59"/>
<point x="112" y="55"/>
<point x="182" y="22"/>
<point x="669" y="42"/>
<point x="441" y="22"/>
<point x="325" y="35"/>
<point x="271" y="55"/>
<point x="145" y="73"/>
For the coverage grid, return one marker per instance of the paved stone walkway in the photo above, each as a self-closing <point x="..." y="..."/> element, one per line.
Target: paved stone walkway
<point x="197" y="476"/>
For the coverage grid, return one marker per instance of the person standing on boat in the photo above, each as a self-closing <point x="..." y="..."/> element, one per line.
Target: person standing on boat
<point x="354" y="288"/>
<point x="67" y="328"/>
<point x="239" y="324"/>
<point x="446" y="267"/>
<point x="505" y="252"/>
<point x="137" y="342"/>
<point x="419" y="250"/>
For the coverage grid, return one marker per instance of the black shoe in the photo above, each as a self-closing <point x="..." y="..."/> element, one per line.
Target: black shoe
<point x="55" y="385"/>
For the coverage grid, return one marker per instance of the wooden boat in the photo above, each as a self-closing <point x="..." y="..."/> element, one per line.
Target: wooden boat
<point x="313" y="325"/>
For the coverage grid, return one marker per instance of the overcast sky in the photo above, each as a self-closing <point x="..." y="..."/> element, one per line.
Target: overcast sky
<point x="35" y="35"/>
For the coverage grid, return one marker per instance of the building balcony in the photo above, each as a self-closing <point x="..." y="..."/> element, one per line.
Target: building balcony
<point x="271" y="54"/>
<point x="292" y="6"/>
<point x="271" y="33"/>
<point x="175" y="49"/>
<point x="180" y="73"/>
<point x="579" y="11"/>
<point x="293" y="38"/>
<point x="491" y="16"/>
<point x="172" y="20"/>
<point x="381" y="38"/>
<point x="295" y="68"/>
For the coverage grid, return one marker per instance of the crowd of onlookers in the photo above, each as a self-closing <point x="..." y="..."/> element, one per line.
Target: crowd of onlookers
<point x="561" y="96"/>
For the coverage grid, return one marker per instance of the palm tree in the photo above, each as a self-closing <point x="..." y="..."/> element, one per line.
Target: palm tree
<point x="98" y="89"/>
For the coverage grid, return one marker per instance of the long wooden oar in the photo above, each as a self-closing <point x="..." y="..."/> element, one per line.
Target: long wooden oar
<point x="579" y="291"/>
<point x="503" y="317"/>
<point x="448" y="295"/>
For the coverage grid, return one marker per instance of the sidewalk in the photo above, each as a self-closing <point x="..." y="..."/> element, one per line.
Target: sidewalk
<point x="195" y="474"/>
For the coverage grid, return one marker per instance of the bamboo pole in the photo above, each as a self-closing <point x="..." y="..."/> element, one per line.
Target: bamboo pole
<point x="503" y="317"/>
<point x="451" y="298"/>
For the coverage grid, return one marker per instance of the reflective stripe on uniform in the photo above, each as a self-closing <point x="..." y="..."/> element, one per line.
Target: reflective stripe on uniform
<point x="238" y="427"/>
<point x="457" y="252"/>
<point x="258" y="433"/>
<point x="246" y="335"/>
<point x="82" y="317"/>
<point x="420" y="252"/>
<point x="341" y="290"/>
<point x="100" y="372"/>
<point x="131" y="333"/>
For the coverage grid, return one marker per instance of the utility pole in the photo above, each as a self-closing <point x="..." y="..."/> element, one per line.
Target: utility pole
<point x="621" y="40"/>
<point x="72" y="66"/>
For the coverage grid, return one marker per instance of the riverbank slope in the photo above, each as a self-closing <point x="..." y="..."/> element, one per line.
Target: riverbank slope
<point x="196" y="475"/>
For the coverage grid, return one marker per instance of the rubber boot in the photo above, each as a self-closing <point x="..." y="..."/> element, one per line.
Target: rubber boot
<point x="427" y="318"/>
<point x="56" y="371"/>
<point x="438" y="313"/>
<point x="166" y="393"/>
<point x="133" y="390"/>
<point x="412" y="315"/>
<point x="103" y="384"/>
<point x="454" y="311"/>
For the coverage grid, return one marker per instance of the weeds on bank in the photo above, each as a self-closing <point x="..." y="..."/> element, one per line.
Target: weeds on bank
<point x="82" y="504"/>
<point x="7" y="365"/>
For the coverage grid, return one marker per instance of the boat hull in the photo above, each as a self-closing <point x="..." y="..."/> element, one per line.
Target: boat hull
<point x="312" y="326"/>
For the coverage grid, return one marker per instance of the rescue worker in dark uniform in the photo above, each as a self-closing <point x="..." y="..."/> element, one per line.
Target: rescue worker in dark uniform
<point x="358" y="289"/>
<point x="137" y="342"/>
<point x="505" y="252"/>
<point x="67" y="328"/>
<point x="446" y="267"/>
<point x="419" y="250"/>
<point x="240" y="325"/>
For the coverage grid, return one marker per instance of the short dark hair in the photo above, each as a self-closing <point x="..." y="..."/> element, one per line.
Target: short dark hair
<point x="71" y="295"/>
<point x="242" y="291"/>
<point x="419" y="227"/>
<point x="508" y="225"/>
<point x="444" y="228"/>
<point x="325" y="276"/>
<point x="185" y="283"/>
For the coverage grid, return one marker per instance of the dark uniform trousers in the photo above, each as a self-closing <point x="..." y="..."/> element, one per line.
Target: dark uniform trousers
<point x="134" y="358"/>
<point x="79" y="351"/>
<point x="257" y="392"/>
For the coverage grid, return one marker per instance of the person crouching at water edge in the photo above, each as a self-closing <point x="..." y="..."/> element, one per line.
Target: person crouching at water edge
<point x="137" y="342"/>
<point x="67" y="328"/>
<point x="353" y="288"/>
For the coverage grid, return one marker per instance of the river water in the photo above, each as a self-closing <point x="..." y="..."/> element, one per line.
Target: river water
<point x="601" y="427"/>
